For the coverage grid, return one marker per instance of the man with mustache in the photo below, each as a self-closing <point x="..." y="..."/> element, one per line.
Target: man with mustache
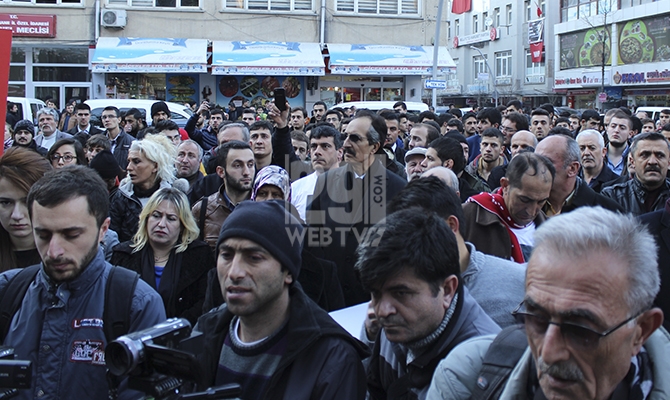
<point x="591" y="329"/>
<point x="418" y="298"/>
<point x="60" y="325"/>
<point x="592" y="150"/>
<point x="24" y="133"/>
<point x="649" y="188"/>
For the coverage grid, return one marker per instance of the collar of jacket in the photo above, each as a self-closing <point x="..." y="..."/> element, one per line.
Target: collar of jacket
<point x="81" y="283"/>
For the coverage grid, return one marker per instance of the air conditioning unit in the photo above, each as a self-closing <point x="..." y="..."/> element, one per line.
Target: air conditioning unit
<point x="113" y="18"/>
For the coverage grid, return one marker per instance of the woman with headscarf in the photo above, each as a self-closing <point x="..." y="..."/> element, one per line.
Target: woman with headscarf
<point x="271" y="183"/>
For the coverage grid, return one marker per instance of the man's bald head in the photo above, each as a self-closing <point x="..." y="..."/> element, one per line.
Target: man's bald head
<point x="445" y="175"/>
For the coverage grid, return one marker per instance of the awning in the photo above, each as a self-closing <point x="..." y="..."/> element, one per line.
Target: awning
<point x="363" y="59"/>
<point x="114" y="54"/>
<point x="267" y="58"/>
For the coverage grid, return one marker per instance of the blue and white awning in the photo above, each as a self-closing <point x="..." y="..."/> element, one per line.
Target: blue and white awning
<point x="363" y="59"/>
<point x="267" y="58"/>
<point x="117" y="54"/>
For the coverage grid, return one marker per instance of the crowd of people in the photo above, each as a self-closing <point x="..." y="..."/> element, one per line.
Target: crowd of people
<point x="500" y="253"/>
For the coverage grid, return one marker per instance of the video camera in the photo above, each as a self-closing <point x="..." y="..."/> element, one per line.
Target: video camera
<point x="14" y="374"/>
<point x="159" y="359"/>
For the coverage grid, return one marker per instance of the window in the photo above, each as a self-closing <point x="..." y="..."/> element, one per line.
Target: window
<point x="485" y="16"/>
<point x="504" y="64"/>
<point x="156" y="3"/>
<point x="457" y="27"/>
<point x="475" y="23"/>
<point x="533" y="69"/>
<point x="480" y="66"/>
<point x="449" y="29"/>
<point x="531" y="9"/>
<point x="572" y="10"/>
<point x="508" y="12"/>
<point x="496" y="17"/>
<point x="379" y="7"/>
<point x="57" y="2"/>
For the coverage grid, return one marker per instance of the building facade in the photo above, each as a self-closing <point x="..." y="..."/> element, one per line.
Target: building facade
<point x="120" y="49"/>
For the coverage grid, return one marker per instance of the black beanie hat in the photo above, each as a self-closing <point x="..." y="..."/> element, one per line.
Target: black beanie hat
<point x="270" y="225"/>
<point x="25" y="125"/>
<point x="159" y="106"/>
<point x="105" y="165"/>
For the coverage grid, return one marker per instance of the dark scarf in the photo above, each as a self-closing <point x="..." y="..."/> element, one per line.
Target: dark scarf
<point x="170" y="279"/>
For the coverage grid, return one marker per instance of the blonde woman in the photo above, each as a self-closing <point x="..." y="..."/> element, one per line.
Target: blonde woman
<point x="167" y="255"/>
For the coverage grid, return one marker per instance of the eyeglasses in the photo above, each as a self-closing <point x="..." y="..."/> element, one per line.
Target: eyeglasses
<point x="66" y="158"/>
<point x="509" y="129"/>
<point x="577" y="336"/>
<point x="354" y="138"/>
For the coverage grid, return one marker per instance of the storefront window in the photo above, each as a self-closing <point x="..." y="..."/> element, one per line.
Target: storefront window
<point x="71" y="55"/>
<point x="18" y="55"/>
<point x="16" y="90"/>
<point x="17" y="73"/>
<point x="135" y="86"/>
<point x="63" y="74"/>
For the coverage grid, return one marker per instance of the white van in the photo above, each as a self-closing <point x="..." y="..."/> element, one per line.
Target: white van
<point x="412" y="106"/>
<point x="28" y="107"/>
<point x="652" y="112"/>
<point x="179" y="113"/>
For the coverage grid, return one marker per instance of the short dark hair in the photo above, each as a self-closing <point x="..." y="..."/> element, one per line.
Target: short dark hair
<point x="449" y="149"/>
<point x="333" y="112"/>
<point x="77" y="107"/>
<point x="654" y="136"/>
<point x="433" y="133"/>
<point x="300" y="136"/>
<point x="216" y="111"/>
<point x="444" y="118"/>
<point x="626" y="110"/>
<point x="60" y="185"/>
<point x="112" y="108"/>
<point x="390" y="116"/>
<point x="99" y="140"/>
<point x="520" y="120"/>
<point x="78" y="149"/>
<point x="469" y="115"/>
<point x="559" y="130"/>
<point x="427" y="114"/>
<point x="491" y="114"/>
<point x="515" y="103"/>
<point x="456" y="112"/>
<point x="320" y="103"/>
<point x="527" y="163"/>
<point x="325" y="130"/>
<point x="494" y="132"/>
<point x="262" y="124"/>
<point x="645" y="121"/>
<point x="433" y="194"/>
<point x="248" y="111"/>
<point x="377" y="123"/>
<point x="166" y="125"/>
<point x="136" y="113"/>
<point x="562" y="119"/>
<point x="665" y="111"/>
<point x="590" y="114"/>
<point x="665" y="127"/>
<point x="400" y="104"/>
<point x="637" y="123"/>
<point x="549" y="108"/>
<point x="456" y="124"/>
<point x="540" y="111"/>
<point x="223" y="150"/>
<point x="301" y="109"/>
<point x="622" y="115"/>
<point x="433" y="255"/>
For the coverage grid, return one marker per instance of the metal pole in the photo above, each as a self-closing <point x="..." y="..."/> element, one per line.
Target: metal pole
<point x="491" y="77"/>
<point x="436" y="47"/>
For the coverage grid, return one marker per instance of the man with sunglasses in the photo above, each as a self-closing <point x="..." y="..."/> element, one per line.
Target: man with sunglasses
<point x="350" y="199"/>
<point x="591" y="327"/>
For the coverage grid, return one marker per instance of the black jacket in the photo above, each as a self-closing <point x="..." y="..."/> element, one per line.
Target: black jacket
<point x="605" y="178"/>
<point x="204" y="137"/>
<point x="322" y="360"/>
<point x="185" y="300"/>
<point x="124" y="210"/>
<point x="631" y="195"/>
<point x="123" y="142"/>
<point x="344" y="207"/>
<point x="659" y="226"/>
<point x="33" y="146"/>
<point x="585" y="196"/>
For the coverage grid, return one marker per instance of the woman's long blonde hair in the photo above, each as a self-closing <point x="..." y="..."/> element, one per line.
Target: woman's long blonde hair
<point x="189" y="228"/>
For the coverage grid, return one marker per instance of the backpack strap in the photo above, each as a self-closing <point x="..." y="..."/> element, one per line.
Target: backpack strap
<point x="203" y="214"/>
<point x="13" y="297"/>
<point x="499" y="361"/>
<point x="119" y="292"/>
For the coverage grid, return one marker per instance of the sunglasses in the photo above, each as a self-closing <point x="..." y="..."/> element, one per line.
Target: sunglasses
<point x="354" y="138"/>
<point x="576" y="336"/>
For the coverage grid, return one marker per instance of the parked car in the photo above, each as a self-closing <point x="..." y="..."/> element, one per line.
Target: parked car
<point x="179" y="112"/>
<point x="28" y="107"/>
<point x="652" y="112"/>
<point x="412" y="106"/>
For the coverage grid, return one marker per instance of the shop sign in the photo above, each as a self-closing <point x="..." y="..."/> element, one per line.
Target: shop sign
<point x="29" y="25"/>
<point x="490" y="35"/>
<point x="585" y="48"/>
<point x="504" y="81"/>
<point x="477" y="88"/>
<point x="456" y="89"/>
<point x="644" y="40"/>
<point x="632" y="75"/>
<point x="147" y="68"/>
<point x="535" y="79"/>
<point x="581" y="79"/>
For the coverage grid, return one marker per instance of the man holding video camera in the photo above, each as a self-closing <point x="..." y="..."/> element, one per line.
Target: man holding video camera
<point x="60" y="324"/>
<point x="269" y="337"/>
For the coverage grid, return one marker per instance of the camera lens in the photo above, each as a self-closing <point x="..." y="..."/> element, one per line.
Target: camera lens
<point x="123" y="355"/>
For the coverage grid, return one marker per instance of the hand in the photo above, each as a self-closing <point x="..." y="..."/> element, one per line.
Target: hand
<point x="371" y="323"/>
<point x="280" y="118"/>
<point x="203" y="107"/>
